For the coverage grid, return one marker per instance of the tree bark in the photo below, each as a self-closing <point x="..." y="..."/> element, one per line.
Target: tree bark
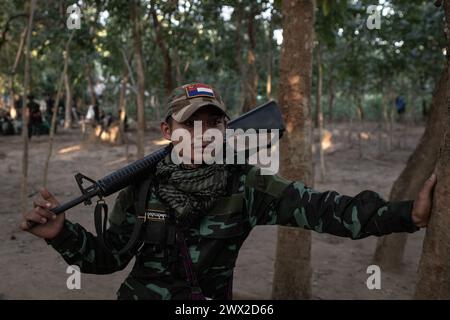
<point x="127" y="62"/>
<point x="434" y="266"/>
<point x="161" y="43"/>
<point x="90" y="82"/>
<point x="292" y="278"/>
<point x="319" y="110"/>
<point x="239" y="13"/>
<point x="251" y="76"/>
<point x="16" y="64"/>
<point x="179" y="75"/>
<point x="137" y="45"/>
<point x="383" y="127"/>
<point x="359" y="107"/>
<point x="269" y="58"/>
<point x="25" y="113"/>
<point x="331" y="96"/>
<point x="391" y="120"/>
<point x="390" y="249"/>
<point x="68" y="103"/>
<point x="123" y="107"/>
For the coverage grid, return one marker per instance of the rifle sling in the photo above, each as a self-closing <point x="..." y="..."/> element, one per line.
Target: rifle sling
<point x="100" y="227"/>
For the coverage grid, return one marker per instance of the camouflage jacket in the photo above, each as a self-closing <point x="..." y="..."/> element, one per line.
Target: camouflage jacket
<point x="214" y="241"/>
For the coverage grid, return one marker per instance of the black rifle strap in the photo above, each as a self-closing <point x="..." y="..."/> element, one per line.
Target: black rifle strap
<point x="99" y="226"/>
<point x="140" y="205"/>
<point x="196" y="291"/>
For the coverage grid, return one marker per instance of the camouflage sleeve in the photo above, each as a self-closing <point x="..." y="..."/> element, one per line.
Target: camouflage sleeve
<point x="79" y="247"/>
<point x="275" y="200"/>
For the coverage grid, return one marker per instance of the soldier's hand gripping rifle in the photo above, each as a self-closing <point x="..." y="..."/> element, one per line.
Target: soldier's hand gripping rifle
<point x="266" y="116"/>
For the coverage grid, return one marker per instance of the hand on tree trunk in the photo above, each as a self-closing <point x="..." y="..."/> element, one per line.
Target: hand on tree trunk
<point x="422" y="204"/>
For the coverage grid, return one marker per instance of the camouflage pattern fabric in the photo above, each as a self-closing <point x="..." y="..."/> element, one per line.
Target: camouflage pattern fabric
<point x="214" y="242"/>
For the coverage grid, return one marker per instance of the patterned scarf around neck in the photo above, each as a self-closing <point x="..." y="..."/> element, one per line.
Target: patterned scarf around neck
<point x="191" y="192"/>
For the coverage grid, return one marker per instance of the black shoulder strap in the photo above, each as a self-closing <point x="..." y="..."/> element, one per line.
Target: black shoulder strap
<point x="142" y="192"/>
<point x="233" y="182"/>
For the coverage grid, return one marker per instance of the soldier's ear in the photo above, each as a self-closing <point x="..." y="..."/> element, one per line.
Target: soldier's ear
<point x="166" y="130"/>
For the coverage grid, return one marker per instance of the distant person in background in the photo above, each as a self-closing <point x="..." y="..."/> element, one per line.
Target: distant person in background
<point x="97" y="115"/>
<point x="18" y="103"/>
<point x="6" y="123"/>
<point x="61" y="112"/>
<point x="400" y="105"/>
<point x="35" y="117"/>
<point x="90" y="115"/>
<point x="75" y="112"/>
<point x="49" y="106"/>
<point x="107" y="120"/>
<point x="50" y="109"/>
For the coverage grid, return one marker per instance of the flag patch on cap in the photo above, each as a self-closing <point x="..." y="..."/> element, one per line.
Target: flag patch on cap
<point x="199" y="90"/>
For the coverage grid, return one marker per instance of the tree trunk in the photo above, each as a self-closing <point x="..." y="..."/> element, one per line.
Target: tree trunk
<point x="161" y="43"/>
<point x="359" y="108"/>
<point x="25" y="113"/>
<point x="14" y="67"/>
<point x="127" y="62"/>
<point x="331" y="96"/>
<point x="292" y="278"/>
<point x="123" y="108"/>
<point x="178" y="73"/>
<point x="319" y="110"/>
<point x="251" y="83"/>
<point x="239" y="15"/>
<point x="55" y="110"/>
<point x="420" y="165"/>
<point x="383" y="127"/>
<point x="269" y="59"/>
<point x="68" y="103"/>
<point x="434" y="266"/>
<point x="137" y="45"/>
<point x="390" y="118"/>
<point x="360" y="114"/>
<point x="391" y="129"/>
<point x="90" y="82"/>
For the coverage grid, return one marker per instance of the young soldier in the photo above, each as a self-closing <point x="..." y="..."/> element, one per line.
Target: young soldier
<point x="198" y="216"/>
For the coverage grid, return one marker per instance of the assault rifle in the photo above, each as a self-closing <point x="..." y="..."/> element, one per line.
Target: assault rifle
<point x="265" y="117"/>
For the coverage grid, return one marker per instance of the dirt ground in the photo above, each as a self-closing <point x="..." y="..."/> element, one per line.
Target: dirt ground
<point x="30" y="269"/>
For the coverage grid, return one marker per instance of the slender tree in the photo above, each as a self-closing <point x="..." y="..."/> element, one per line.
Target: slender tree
<point x="163" y="47"/>
<point x="55" y="110"/>
<point x="251" y="76"/>
<point x="292" y="278"/>
<point x="137" y="45"/>
<point x="16" y="64"/>
<point x="25" y="113"/>
<point x="319" y="109"/>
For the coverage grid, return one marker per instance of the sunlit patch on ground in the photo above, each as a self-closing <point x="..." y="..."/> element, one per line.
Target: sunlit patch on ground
<point x="70" y="149"/>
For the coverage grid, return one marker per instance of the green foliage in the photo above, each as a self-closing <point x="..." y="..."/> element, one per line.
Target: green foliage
<point x="404" y="56"/>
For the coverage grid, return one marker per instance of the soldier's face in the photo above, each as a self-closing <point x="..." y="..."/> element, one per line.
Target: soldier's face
<point x="210" y="119"/>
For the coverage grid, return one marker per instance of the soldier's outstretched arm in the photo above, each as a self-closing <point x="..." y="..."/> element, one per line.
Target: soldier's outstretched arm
<point x="275" y="200"/>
